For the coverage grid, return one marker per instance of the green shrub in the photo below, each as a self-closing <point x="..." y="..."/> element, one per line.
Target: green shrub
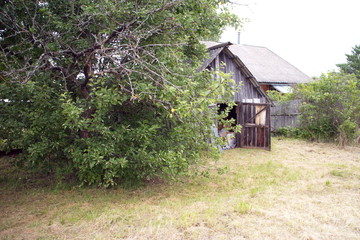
<point x="280" y="97"/>
<point x="289" y="132"/>
<point x="330" y="107"/>
<point x="283" y="131"/>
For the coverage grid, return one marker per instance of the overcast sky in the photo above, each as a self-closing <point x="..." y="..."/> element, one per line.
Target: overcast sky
<point x="313" y="35"/>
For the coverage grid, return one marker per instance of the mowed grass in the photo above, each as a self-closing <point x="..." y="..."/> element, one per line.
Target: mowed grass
<point x="299" y="190"/>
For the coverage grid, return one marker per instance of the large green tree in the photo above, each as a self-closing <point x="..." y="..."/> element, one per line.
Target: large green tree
<point x="109" y="90"/>
<point x="352" y="66"/>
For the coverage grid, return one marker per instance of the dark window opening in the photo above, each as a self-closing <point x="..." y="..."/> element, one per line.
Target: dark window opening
<point x="231" y="114"/>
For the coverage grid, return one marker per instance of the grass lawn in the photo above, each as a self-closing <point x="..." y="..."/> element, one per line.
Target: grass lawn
<point x="299" y="190"/>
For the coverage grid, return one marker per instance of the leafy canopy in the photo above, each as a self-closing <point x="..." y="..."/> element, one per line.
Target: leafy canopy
<point x="108" y="91"/>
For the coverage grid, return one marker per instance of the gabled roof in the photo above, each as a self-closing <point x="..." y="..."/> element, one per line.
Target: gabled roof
<point x="266" y="66"/>
<point x="217" y="48"/>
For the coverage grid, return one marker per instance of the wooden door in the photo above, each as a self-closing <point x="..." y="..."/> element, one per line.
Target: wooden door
<point x="255" y="121"/>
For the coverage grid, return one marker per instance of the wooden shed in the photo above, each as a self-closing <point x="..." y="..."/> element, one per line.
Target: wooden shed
<point x="252" y="109"/>
<point x="273" y="73"/>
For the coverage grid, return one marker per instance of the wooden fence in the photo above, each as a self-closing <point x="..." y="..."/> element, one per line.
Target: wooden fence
<point x="285" y="114"/>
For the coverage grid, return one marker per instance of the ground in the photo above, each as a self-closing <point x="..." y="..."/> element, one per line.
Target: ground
<point x="299" y="190"/>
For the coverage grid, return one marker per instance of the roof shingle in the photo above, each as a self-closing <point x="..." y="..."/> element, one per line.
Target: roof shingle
<point x="266" y="66"/>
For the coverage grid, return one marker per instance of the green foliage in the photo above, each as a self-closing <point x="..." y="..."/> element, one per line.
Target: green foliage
<point x="330" y="108"/>
<point x="280" y="97"/>
<point x="352" y="66"/>
<point x="109" y="91"/>
<point x="289" y="132"/>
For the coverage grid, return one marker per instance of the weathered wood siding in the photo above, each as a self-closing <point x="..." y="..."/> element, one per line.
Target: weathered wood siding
<point x="247" y="90"/>
<point x="285" y="114"/>
<point x="255" y="121"/>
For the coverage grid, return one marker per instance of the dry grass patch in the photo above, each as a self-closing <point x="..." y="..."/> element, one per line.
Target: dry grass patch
<point x="299" y="190"/>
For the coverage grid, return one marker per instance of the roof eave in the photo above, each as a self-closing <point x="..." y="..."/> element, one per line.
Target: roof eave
<point x="221" y="45"/>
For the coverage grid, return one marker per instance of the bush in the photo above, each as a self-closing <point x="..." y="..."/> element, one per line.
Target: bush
<point x="330" y="108"/>
<point x="128" y="142"/>
<point x="280" y="97"/>
<point x="289" y="132"/>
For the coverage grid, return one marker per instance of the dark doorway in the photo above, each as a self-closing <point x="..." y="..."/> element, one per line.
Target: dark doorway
<point x="226" y="131"/>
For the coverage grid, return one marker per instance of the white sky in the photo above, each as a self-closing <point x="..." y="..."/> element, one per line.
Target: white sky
<point x="313" y="35"/>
